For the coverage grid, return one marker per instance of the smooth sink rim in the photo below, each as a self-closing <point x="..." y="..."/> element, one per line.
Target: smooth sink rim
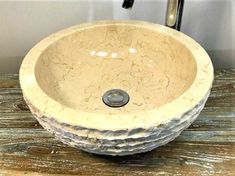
<point x="46" y="106"/>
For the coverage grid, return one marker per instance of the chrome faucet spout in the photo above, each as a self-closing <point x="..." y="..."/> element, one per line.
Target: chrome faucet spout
<point x="174" y="12"/>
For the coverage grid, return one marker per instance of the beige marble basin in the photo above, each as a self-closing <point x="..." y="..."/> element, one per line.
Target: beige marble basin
<point x="166" y="74"/>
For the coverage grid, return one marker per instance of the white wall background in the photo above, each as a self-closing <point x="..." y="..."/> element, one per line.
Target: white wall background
<point x="24" y="23"/>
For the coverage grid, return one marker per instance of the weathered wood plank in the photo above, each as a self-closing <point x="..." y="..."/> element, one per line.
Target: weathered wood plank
<point x="12" y="103"/>
<point x="18" y="120"/>
<point x="225" y="74"/>
<point x="206" y="148"/>
<point x="204" y="123"/>
<point x="9" y="76"/>
<point x="9" y="81"/>
<point x="173" y="158"/>
<point x="10" y="91"/>
<point x="19" y="173"/>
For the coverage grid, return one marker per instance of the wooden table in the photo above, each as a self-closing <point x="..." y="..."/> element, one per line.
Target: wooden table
<point x="206" y="148"/>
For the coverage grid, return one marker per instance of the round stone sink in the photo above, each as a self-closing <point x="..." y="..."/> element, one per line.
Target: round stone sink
<point x="116" y="87"/>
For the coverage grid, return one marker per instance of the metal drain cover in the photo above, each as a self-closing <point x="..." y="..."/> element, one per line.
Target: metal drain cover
<point x="115" y="98"/>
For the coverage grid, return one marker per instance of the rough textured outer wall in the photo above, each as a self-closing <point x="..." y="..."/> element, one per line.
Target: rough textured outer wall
<point x="122" y="142"/>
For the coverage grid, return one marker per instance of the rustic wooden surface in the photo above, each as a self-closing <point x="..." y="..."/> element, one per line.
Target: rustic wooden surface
<point x="206" y="148"/>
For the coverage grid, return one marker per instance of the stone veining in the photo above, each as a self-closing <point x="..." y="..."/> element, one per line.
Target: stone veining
<point x="167" y="75"/>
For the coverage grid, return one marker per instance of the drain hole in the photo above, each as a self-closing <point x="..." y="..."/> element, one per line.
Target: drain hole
<point x="115" y="98"/>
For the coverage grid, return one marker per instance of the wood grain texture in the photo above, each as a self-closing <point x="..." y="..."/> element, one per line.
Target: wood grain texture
<point x="207" y="147"/>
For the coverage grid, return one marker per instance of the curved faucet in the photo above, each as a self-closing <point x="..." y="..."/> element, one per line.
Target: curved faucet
<point x="173" y="14"/>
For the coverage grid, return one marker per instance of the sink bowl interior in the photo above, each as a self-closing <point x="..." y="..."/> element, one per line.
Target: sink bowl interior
<point x="165" y="78"/>
<point x="152" y="67"/>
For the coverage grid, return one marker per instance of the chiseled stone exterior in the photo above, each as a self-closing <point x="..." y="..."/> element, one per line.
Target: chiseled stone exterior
<point x="119" y="142"/>
<point x="167" y="75"/>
